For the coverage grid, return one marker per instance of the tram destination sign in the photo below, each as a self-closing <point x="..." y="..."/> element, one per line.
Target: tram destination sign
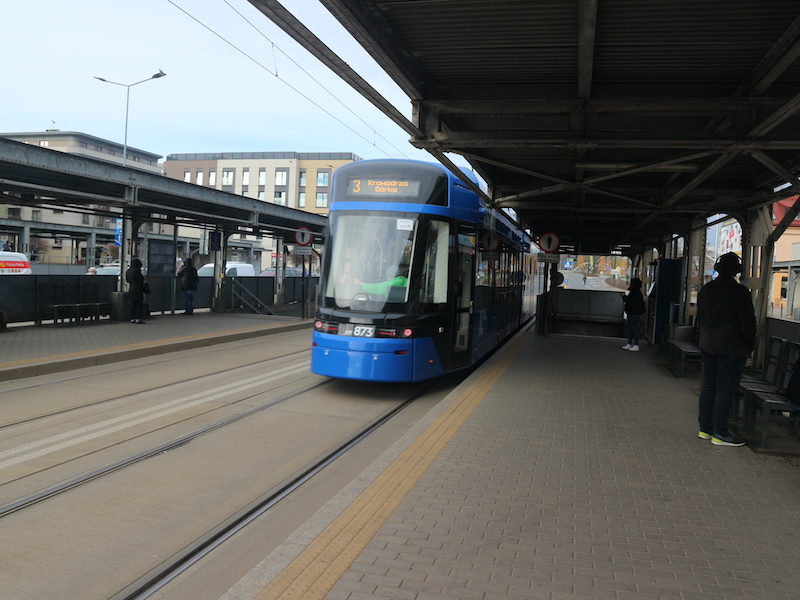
<point x="382" y="188"/>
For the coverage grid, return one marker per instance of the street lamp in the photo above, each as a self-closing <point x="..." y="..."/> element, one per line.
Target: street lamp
<point x="127" y="104"/>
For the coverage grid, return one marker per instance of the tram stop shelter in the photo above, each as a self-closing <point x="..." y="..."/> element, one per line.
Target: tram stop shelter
<point x="619" y="126"/>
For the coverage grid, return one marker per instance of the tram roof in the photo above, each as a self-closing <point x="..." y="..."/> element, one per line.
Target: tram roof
<point x="607" y="122"/>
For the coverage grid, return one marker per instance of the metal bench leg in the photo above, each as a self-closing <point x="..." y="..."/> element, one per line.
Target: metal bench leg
<point x="764" y="424"/>
<point x="750" y="415"/>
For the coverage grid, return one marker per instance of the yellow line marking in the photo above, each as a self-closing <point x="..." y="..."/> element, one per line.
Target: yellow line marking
<point x="317" y="569"/>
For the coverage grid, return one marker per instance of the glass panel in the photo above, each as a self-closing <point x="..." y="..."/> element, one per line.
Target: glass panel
<point x="434" y="265"/>
<point x="371" y="258"/>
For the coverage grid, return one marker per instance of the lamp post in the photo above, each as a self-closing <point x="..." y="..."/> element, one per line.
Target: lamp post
<point x="127" y="105"/>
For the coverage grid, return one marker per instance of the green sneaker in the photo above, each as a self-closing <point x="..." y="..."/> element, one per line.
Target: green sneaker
<point x="727" y="440"/>
<point x="704" y="436"/>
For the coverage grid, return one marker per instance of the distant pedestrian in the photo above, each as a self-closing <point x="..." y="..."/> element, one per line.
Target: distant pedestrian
<point x="634" y="309"/>
<point x="727" y="325"/>
<point x="8" y="246"/>
<point x="135" y="281"/>
<point x="189" y="282"/>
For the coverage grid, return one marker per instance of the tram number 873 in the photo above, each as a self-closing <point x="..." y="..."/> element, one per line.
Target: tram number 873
<point x="359" y="330"/>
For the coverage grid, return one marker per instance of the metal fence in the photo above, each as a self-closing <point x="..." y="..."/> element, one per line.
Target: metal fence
<point x="30" y="298"/>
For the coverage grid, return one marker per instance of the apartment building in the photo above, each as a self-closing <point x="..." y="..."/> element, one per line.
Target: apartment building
<point x="298" y="180"/>
<point x="295" y="179"/>
<point x="82" y="144"/>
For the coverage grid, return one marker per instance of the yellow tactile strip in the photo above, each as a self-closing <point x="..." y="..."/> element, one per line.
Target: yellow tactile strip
<point x="317" y="569"/>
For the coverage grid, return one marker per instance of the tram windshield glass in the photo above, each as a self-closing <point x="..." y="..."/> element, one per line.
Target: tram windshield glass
<point x="370" y="260"/>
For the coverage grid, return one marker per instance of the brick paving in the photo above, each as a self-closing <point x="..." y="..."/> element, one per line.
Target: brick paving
<point x="54" y="348"/>
<point x="580" y="476"/>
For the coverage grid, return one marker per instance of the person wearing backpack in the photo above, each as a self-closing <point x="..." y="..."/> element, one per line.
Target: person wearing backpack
<point x="727" y="327"/>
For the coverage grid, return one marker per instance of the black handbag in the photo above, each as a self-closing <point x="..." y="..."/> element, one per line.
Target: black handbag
<point x="146" y="287"/>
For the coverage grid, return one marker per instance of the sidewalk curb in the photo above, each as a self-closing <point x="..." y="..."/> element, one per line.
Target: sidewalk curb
<point x="103" y="356"/>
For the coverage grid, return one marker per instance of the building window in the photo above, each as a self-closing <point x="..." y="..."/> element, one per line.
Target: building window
<point x="98" y="148"/>
<point x="212" y="178"/>
<point x="44" y="143"/>
<point x="187" y="176"/>
<point x="280" y="177"/>
<point x="322" y="200"/>
<point x="301" y="200"/>
<point x="262" y="177"/>
<point x="280" y="198"/>
<point x="199" y="179"/>
<point x="36" y="215"/>
<point x="83" y="145"/>
<point x="227" y="176"/>
<point x="245" y="177"/>
<point x="322" y="178"/>
<point x="262" y="195"/>
<point x="302" y="179"/>
<point x="85" y="219"/>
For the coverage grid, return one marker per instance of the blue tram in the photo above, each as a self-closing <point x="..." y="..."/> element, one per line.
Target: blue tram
<point x="419" y="277"/>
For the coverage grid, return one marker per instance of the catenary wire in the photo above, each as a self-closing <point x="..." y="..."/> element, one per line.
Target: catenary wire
<point x="275" y="74"/>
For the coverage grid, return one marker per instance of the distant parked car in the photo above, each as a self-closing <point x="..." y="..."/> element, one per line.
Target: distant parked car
<point x="290" y="272"/>
<point x="107" y="269"/>
<point x="232" y="269"/>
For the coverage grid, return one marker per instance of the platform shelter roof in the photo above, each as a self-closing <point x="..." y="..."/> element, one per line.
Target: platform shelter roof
<point x="613" y="123"/>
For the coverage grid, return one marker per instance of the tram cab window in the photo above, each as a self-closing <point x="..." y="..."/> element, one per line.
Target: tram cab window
<point x="371" y="260"/>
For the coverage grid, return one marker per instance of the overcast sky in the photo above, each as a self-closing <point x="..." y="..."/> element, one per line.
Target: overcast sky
<point x="213" y="99"/>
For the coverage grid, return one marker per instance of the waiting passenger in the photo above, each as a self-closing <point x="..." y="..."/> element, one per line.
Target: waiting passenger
<point x="727" y="324"/>
<point x="634" y="309"/>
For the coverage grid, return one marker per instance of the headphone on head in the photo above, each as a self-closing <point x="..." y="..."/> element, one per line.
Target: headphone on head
<point x="729" y="264"/>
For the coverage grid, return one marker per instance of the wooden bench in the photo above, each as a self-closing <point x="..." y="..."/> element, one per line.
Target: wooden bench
<point x="679" y="353"/>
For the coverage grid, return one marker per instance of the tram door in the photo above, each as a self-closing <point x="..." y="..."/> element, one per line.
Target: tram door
<point x="462" y="302"/>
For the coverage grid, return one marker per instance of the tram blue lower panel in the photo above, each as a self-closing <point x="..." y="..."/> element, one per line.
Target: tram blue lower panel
<point x="374" y="360"/>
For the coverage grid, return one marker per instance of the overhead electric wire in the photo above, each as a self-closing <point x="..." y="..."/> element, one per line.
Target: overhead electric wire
<point x="275" y="74"/>
<point x="299" y="66"/>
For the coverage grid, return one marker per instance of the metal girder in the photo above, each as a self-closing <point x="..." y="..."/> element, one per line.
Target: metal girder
<point x="303" y="36"/>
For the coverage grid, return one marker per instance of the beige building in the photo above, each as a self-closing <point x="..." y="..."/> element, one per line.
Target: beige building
<point x="295" y="179"/>
<point x="298" y="180"/>
<point x="81" y="144"/>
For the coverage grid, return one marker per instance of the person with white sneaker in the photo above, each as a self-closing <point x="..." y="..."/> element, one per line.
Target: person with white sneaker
<point x="634" y="309"/>
<point x="727" y="324"/>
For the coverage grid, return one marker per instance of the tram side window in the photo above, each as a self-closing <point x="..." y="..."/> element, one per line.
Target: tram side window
<point x="434" y="274"/>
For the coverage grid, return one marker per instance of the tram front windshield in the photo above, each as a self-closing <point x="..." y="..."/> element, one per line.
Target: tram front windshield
<point x="370" y="260"/>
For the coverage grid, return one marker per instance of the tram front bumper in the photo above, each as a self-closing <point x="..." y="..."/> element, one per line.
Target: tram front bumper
<point x="374" y="359"/>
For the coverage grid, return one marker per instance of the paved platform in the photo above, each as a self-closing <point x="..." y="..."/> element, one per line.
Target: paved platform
<point x="565" y="468"/>
<point x="28" y="350"/>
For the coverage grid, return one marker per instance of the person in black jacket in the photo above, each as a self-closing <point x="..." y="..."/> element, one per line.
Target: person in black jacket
<point x="135" y="281"/>
<point x="189" y="281"/>
<point x="634" y="308"/>
<point x="727" y="325"/>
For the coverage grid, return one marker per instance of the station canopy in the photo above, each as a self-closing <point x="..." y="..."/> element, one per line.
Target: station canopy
<point x="612" y="123"/>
